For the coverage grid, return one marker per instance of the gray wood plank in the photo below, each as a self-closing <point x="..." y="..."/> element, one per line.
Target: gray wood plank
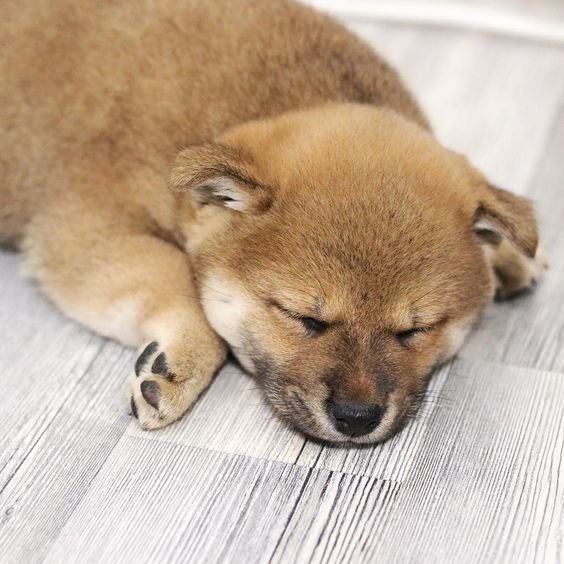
<point x="157" y="502"/>
<point x="487" y="486"/>
<point x="56" y="473"/>
<point x="526" y="333"/>
<point x="334" y="527"/>
<point x="61" y="412"/>
<point x="42" y="358"/>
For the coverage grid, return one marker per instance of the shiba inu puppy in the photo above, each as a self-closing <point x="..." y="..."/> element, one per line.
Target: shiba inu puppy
<point x="190" y="177"/>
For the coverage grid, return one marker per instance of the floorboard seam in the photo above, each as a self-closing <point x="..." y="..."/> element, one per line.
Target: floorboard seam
<point x="292" y="512"/>
<point x="271" y="460"/>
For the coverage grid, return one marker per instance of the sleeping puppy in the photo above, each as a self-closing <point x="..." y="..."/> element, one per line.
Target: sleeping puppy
<point x="193" y="177"/>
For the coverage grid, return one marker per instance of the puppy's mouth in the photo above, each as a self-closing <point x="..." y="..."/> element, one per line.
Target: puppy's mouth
<point x="311" y="417"/>
<point x="310" y="414"/>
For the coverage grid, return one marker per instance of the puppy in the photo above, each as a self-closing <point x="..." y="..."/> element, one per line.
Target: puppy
<point x="188" y="177"/>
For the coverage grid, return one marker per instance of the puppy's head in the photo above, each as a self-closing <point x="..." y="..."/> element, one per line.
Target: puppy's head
<point x="341" y="252"/>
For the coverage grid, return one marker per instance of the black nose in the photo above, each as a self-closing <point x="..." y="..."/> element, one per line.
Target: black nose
<point x="356" y="418"/>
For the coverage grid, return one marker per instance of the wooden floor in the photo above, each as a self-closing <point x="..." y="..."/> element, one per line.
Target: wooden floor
<point x="478" y="477"/>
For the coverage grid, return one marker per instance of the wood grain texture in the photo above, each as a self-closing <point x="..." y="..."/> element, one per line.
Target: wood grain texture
<point x="487" y="485"/>
<point x="61" y="413"/>
<point x="217" y="507"/>
<point x="42" y="357"/>
<point x="478" y="477"/>
<point x="479" y="490"/>
<point x="58" y="470"/>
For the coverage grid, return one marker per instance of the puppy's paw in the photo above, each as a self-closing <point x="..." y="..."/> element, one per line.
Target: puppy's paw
<point x="160" y="393"/>
<point x="517" y="274"/>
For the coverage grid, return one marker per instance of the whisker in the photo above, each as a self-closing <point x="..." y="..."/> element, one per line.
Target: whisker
<point x="213" y="289"/>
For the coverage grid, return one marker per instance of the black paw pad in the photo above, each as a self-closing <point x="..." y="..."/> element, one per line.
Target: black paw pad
<point x="144" y="356"/>
<point x="151" y="392"/>
<point x="133" y="406"/>
<point x="160" y="366"/>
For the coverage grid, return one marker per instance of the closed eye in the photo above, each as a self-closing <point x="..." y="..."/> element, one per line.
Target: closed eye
<point x="312" y="325"/>
<point x="406" y="337"/>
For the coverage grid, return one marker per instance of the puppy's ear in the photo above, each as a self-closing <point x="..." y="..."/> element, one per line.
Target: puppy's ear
<point x="219" y="175"/>
<point x="503" y="215"/>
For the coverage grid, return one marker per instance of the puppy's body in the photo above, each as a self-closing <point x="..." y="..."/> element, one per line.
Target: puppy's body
<point x="329" y="199"/>
<point x="104" y="86"/>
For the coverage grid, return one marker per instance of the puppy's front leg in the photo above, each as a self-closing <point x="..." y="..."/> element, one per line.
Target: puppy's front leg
<point x="132" y="286"/>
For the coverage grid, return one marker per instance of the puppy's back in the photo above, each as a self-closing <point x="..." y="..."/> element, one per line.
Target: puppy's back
<point x="123" y="82"/>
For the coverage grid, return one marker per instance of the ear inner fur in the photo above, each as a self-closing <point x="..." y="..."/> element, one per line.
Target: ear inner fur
<point x="218" y="174"/>
<point x="504" y="214"/>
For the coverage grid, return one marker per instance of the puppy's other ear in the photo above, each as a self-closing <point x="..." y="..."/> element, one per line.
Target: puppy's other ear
<point x="219" y="175"/>
<point x="503" y="215"/>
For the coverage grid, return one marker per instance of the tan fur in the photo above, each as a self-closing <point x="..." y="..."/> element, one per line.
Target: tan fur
<point x="309" y="185"/>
